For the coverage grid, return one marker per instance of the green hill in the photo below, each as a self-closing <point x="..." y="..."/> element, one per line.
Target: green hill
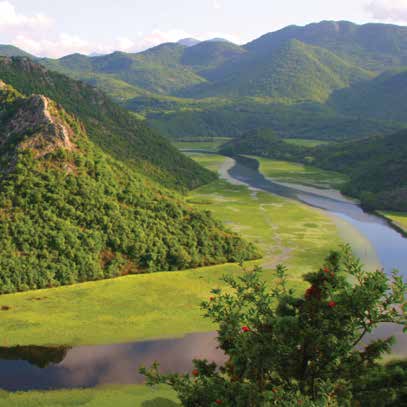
<point x="71" y="213"/>
<point x="263" y="143"/>
<point x="294" y="71"/>
<point x="372" y="46"/>
<point x="12" y="51"/>
<point x="236" y="116"/>
<point x="111" y="127"/>
<point x="210" y="54"/>
<point x="377" y="167"/>
<point x="156" y="70"/>
<point x="383" y="97"/>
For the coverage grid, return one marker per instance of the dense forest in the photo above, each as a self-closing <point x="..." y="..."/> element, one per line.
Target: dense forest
<point x="71" y="213"/>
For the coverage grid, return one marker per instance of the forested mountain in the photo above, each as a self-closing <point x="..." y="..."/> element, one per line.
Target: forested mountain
<point x="158" y="69"/>
<point x="108" y="125"/>
<point x="188" y="119"/>
<point x="294" y="70"/>
<point x="376" y="47"/>
<point x="70" y="213"/>
<point x="384" y="97"/>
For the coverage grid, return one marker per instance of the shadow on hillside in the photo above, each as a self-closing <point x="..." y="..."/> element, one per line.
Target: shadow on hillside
<point x="160" y="402"/>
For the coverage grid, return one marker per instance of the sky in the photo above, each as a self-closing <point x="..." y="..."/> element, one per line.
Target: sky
<point x="54" y="28"/>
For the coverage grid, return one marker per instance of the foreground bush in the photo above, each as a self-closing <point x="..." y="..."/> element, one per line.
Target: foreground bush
<point x="285" y="350"/>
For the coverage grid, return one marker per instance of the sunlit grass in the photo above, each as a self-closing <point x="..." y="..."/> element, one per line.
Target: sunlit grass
<point x="398" y="218"/>
<point x="118" y="396"/>
<point x="285" y="171"/>
<point x="302" y="142"/>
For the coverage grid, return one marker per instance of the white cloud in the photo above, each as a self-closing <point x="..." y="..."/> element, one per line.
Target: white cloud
<point x="65" y="44"/>
<point x="11" y="19"/>
<point x="217" y="4"/>
<point x="38" y="35"/>
<point x="388" y="10"/>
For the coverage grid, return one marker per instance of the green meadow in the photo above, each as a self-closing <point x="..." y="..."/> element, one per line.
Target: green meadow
<point x="284" y="171"/>
<point x="118" y="396"/>
<point x="212" y="144"/>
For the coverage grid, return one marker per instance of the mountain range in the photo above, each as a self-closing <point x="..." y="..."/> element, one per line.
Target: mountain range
<point x="317" y="76"/>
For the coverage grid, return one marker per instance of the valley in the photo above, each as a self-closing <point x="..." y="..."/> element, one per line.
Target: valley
<point x="195" y="201"/>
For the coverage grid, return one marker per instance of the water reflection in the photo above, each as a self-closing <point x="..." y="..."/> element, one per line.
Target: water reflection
<point x="32" y="368"/>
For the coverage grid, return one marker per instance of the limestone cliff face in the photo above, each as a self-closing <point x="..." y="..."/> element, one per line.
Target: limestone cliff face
<point x="41" y="126"/>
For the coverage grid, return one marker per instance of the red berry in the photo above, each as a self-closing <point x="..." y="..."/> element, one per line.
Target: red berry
<point x="218" y="401"/>
<point x="326" y="270"/>
<point x="195" y="372"/>
<point x="246" y="329"/>
<point x="331" y="304"/>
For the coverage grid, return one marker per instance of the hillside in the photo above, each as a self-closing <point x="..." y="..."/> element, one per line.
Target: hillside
<point x="263" y="143"/>
<point x="12" y="51"/>
<point x="71" y="213"/>
<point x="372" y="46"/>
<point x="293" y="70"/>
<point x="384" y="97"/>
<point x="111" y="127"/>
<point x="158" y="69"/>
<point x="377" y="167"/>
<point x="188" y="118"/>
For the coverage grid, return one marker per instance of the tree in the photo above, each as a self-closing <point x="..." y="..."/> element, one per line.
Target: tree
<point x="285" y="350"/>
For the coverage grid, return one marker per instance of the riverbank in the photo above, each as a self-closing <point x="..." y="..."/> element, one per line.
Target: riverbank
<point x="397" y="219"/>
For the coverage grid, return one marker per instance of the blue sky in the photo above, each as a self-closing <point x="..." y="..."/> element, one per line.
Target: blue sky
<point x="54" y="28"/>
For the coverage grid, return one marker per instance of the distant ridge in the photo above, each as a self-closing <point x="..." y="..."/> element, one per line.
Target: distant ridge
<point x="188" y="42"/>
<point x="12" y="51"/>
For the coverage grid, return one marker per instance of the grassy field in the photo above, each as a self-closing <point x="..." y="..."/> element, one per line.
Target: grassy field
<point x="208" y="145"/>
<point x="118" y="396"/>
<point x="398" y="218"/>
<point x="302" y="142"/>
<point x="285" y="171"/>
<point x="287" y="232"/>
